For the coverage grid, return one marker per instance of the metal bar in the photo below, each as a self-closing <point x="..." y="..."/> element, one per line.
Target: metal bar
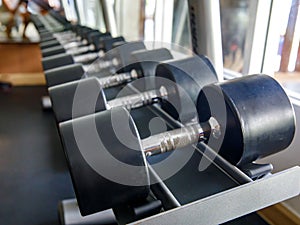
<point x="138" y="100"/>
<point x="161" y="191"/>
<point x="109" y="17"/>
<point x="110" y="81"/>
<point x="233" y="203"/>
<point x="206" y="31"/>
<point x="256" y="37"/>
<point x="171" y="140"/>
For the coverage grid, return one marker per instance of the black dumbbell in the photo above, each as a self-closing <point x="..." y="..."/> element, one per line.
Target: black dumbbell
<point x="116" y="58"/>
<point x="71" y="40"/>
<point x="166" y="76"/>
<point x="80" y="47"/>
<point x="258" y="121"/>
<point x="68" y="35"/>
<point x="62" y="59"/>
<point x="60" y="38"/>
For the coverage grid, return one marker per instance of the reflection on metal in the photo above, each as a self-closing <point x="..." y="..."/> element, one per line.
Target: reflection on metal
<point x="163" y="21"/>
<point x="233" y="203"/>
<point x="109" y="16"/>
<point x="127" y="25"/>
<point x="206" y="31"/>
<point x="69" y="214"/>
<point x="259" y="13"/>
<point x="180" y="18"/>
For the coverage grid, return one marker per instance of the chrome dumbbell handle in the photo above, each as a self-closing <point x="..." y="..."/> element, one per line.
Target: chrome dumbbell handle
<point x="88" y="57"/>
<point x="173" y="139"/>
<point x="117" y="79"/>
<point x="139" y="100"/>
<point x="80" y="50"/>
<point x="72" y="44"/>
<point x="102" y="64"/>
<point x="181" y="137"/>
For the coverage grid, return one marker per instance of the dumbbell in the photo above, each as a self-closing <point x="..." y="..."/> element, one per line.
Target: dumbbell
<point x="257" y="120"/>
<point x="103" y="45"/>
<point x="71" y="32"/>
<point x="77" y="49"/>
<point x="65" y="98"/>
<point x="72" y="40"/>
<point x="76" y="31"/>
<point x="46" y="35"/>
<point x="83" y="37"/>
<point x="116" y="57"/>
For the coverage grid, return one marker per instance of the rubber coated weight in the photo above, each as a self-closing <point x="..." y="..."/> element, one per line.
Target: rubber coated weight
<point x="48" y="44"/>
<point x="188" y="76"/>
<point x="64" y="96"/>
<point x="56" y="61"/>
<point x="259" y="118"/>
<point x="94" y="192"/>
<point x="53" y="51"/>
<point x="68" y="73"/>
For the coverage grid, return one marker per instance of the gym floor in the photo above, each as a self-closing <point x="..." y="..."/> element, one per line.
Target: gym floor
<point x="33" y="172"/>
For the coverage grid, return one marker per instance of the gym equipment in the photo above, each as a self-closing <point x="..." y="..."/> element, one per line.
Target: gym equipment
<point x="69" y="41"/>
<point x="116" y="58"/>
<point x="258" y="115"/>
<point x="63" y="96"/>
<point x="76" y="50"/>
<point x="103" y="45"/>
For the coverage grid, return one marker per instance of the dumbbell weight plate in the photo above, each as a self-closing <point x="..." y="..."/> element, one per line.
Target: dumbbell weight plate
<point x="188" y="76"/>
<point x="74" y="99"/>
<point x="251" y="124"/>
<point x="67" y="74"/>
<point x="56" y="61"/>
<point x="94" y="191"/>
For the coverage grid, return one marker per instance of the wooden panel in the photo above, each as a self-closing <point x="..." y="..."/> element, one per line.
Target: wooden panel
<point x="23" y="79"/>
<point x="279" y="215"/>
<point x="20" y="63"/>
<point x="20" y="58"/>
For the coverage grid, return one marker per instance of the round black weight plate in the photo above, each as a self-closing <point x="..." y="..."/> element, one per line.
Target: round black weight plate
<point x="190" y="74"/>
<point x="258" y="120"/>
<point x="75" y="99"/>
<point x="53" y="51"/>
<point x="64" y="74"/>
<point x="55" y="61"/>
<point x="94" y="191"/>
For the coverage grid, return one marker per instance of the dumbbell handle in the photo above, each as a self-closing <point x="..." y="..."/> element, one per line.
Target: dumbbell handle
<point x="98" y="66"/>
<point x="74" y="43"/>
<point x="173" y="139"/>
<point x="111" y="81"/>
<point x="181" y="137"/>
<point x="138" y="100"/>
<point x="88" y="57"/>
<point x="80" y="50"/>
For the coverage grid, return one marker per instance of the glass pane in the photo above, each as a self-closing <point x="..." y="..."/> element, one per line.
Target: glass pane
<point x="69" y="8"/>
<point x="288" y="55"/>
<point x="234" y="23"/>
<point x="181" y="34"/>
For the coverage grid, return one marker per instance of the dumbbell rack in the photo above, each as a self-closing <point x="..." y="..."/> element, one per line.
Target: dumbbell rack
<point x="220" y="193"/>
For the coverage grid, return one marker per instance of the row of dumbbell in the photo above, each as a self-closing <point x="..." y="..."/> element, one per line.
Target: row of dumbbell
<point x="258" y="121"/>
<point x="245" y="119"/>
